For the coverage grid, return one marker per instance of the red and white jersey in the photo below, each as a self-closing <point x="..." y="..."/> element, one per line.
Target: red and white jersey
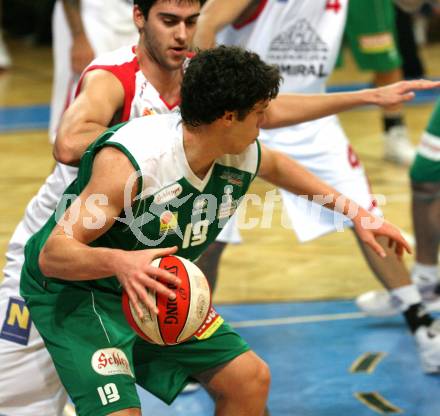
<point x="141" y="99"/>
<point x="301" y="37"/>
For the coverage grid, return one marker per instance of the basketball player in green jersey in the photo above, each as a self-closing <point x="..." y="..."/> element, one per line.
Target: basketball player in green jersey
<point x="204" y="162"/>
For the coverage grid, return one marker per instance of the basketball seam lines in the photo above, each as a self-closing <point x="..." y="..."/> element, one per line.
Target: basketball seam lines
<point x="99" y="317"/>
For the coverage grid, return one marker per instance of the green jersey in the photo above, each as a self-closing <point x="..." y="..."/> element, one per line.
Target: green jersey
<point x="173" y="207"/>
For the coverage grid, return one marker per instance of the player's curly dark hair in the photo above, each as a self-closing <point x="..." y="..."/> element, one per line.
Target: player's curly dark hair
<point x="146" y="5"/>
<point x="226" y="78"/>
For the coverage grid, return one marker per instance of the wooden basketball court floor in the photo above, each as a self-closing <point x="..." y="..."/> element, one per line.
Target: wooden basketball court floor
<point x="292" y="302"/>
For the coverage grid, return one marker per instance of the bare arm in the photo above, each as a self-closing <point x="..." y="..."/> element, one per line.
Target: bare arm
<point x="284" y="172"/>
<point x="288" y="109"/>
<point x="215" y="15"/>
<point x="66" y="254"/>
<point x="82" y="52"/>
<point x="88" y="116"/>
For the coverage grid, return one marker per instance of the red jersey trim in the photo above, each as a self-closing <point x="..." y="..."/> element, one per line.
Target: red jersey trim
<point x="126" y="74"/>
<point x="253" y="17"/>
<point x="170" y="106"/>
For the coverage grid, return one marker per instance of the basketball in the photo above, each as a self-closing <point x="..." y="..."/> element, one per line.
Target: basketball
<point x="178" y="319"/>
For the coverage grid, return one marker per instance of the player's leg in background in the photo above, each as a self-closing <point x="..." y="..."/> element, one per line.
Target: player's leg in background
<point x="29" y="384"/>
<point x="209" y="262"/>
<point x="412" y="64"/>
<point x="371" y="34"/>
<point x="425" y="183"/>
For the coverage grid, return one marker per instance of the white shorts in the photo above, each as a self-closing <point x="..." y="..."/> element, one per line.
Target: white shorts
<point x="29" y="384"/>
<point x="328" y="155"/>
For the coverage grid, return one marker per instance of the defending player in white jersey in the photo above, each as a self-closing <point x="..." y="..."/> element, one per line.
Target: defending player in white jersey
<point x="303" y="39"/>
<point x="127" y="83"/>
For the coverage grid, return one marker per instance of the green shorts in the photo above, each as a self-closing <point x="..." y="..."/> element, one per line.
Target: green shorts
<point x="370" y="32"/>
<point x="98" y="356"/>
<point x="426" y="166"/>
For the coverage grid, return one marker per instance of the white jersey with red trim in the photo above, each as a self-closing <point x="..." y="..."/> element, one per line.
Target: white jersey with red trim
<point x="32" y="375"/>
<point x="301" y="37"/>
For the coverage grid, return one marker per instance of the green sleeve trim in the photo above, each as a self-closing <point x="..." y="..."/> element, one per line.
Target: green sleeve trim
<point x="259" y="159"/>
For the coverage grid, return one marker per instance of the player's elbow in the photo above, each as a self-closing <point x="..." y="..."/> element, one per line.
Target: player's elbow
<point x="64" y="153"/>
<point x="43" y="262"/>
<point x="46" y="259"/>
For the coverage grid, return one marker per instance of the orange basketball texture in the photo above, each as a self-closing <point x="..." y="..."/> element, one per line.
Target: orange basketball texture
<point x="178" y="319"/>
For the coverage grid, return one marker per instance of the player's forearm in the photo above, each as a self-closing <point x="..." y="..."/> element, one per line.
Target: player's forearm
<point x="215" y="15"/>
<point x="204" y="37"/>
<point x="289" y="109"/>
<point x="72" y="9"/>
<point x="293" y="177"/>
<point x="71" y="143"/>
<point x="68" y="259"/>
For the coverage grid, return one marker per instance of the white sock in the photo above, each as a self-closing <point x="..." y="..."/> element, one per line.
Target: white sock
<point x="425" y="275"/>
<point x="408" y="295"/>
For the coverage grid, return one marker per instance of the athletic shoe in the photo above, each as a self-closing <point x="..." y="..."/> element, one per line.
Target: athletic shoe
<point x="378" y="303"/>
<point x="428" y="344"/>
<point x="381" y="303"/>
<point x="397" y="146"/>
<point x="5" y="59"/>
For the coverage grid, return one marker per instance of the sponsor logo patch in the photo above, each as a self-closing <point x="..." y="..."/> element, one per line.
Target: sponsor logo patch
<point x="168" y="194"/>
<point x="17" y="324"/>
<point x="212" y="323"/>
<point x="168" y="222"/>
<point x="381" y="42"/>
<point x="300" y="51"/>
<point x="233" y="178"/>
<point x="148" y="112"/>
<point x="111" y="361"/>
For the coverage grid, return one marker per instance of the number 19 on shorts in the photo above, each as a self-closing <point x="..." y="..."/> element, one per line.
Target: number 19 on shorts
<point x="108" y="393"/>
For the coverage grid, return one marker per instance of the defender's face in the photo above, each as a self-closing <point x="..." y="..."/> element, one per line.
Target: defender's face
<point x="167" y="33"/>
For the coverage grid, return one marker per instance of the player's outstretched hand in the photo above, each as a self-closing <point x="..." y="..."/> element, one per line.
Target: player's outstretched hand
<point x="369" y="227"/>
<point x="135" y="273"/>
<point x="400" y="92"/>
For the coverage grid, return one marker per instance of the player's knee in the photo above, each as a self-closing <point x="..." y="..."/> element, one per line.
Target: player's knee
<point x="425" y="191"/>
<point x="263" y="378"/>
<point x="257" y="382"/>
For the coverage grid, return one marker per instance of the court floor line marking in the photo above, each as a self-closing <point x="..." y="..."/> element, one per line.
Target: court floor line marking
<point x="294" y="320"/>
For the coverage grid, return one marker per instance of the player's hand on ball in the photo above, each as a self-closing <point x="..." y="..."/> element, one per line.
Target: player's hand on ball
<point x="135" y="273"/>
<point x="369" y="227"/>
